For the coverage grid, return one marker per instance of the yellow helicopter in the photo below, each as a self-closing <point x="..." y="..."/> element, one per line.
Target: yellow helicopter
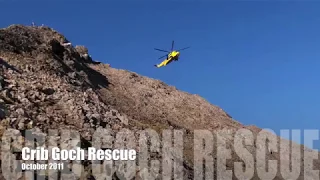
<point x="173" y="55"/>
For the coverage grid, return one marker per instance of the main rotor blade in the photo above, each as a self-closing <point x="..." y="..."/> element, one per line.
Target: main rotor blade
<point x="161" y="50"/>
<point x="163" y="56"/>
<point x="172" y="45"/>
<point x="183" y="48"/>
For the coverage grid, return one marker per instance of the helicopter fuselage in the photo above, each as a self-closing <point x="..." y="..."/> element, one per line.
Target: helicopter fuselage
<point x="174" y="55"/>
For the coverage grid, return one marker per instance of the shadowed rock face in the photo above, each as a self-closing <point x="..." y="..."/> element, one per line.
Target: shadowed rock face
<point x="45" y="85"/>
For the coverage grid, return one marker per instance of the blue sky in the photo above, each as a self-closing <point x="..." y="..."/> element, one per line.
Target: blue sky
<point x="259" y="61"/>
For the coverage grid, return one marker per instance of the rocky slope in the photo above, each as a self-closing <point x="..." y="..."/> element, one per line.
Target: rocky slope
<point x="46" y="83"/>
